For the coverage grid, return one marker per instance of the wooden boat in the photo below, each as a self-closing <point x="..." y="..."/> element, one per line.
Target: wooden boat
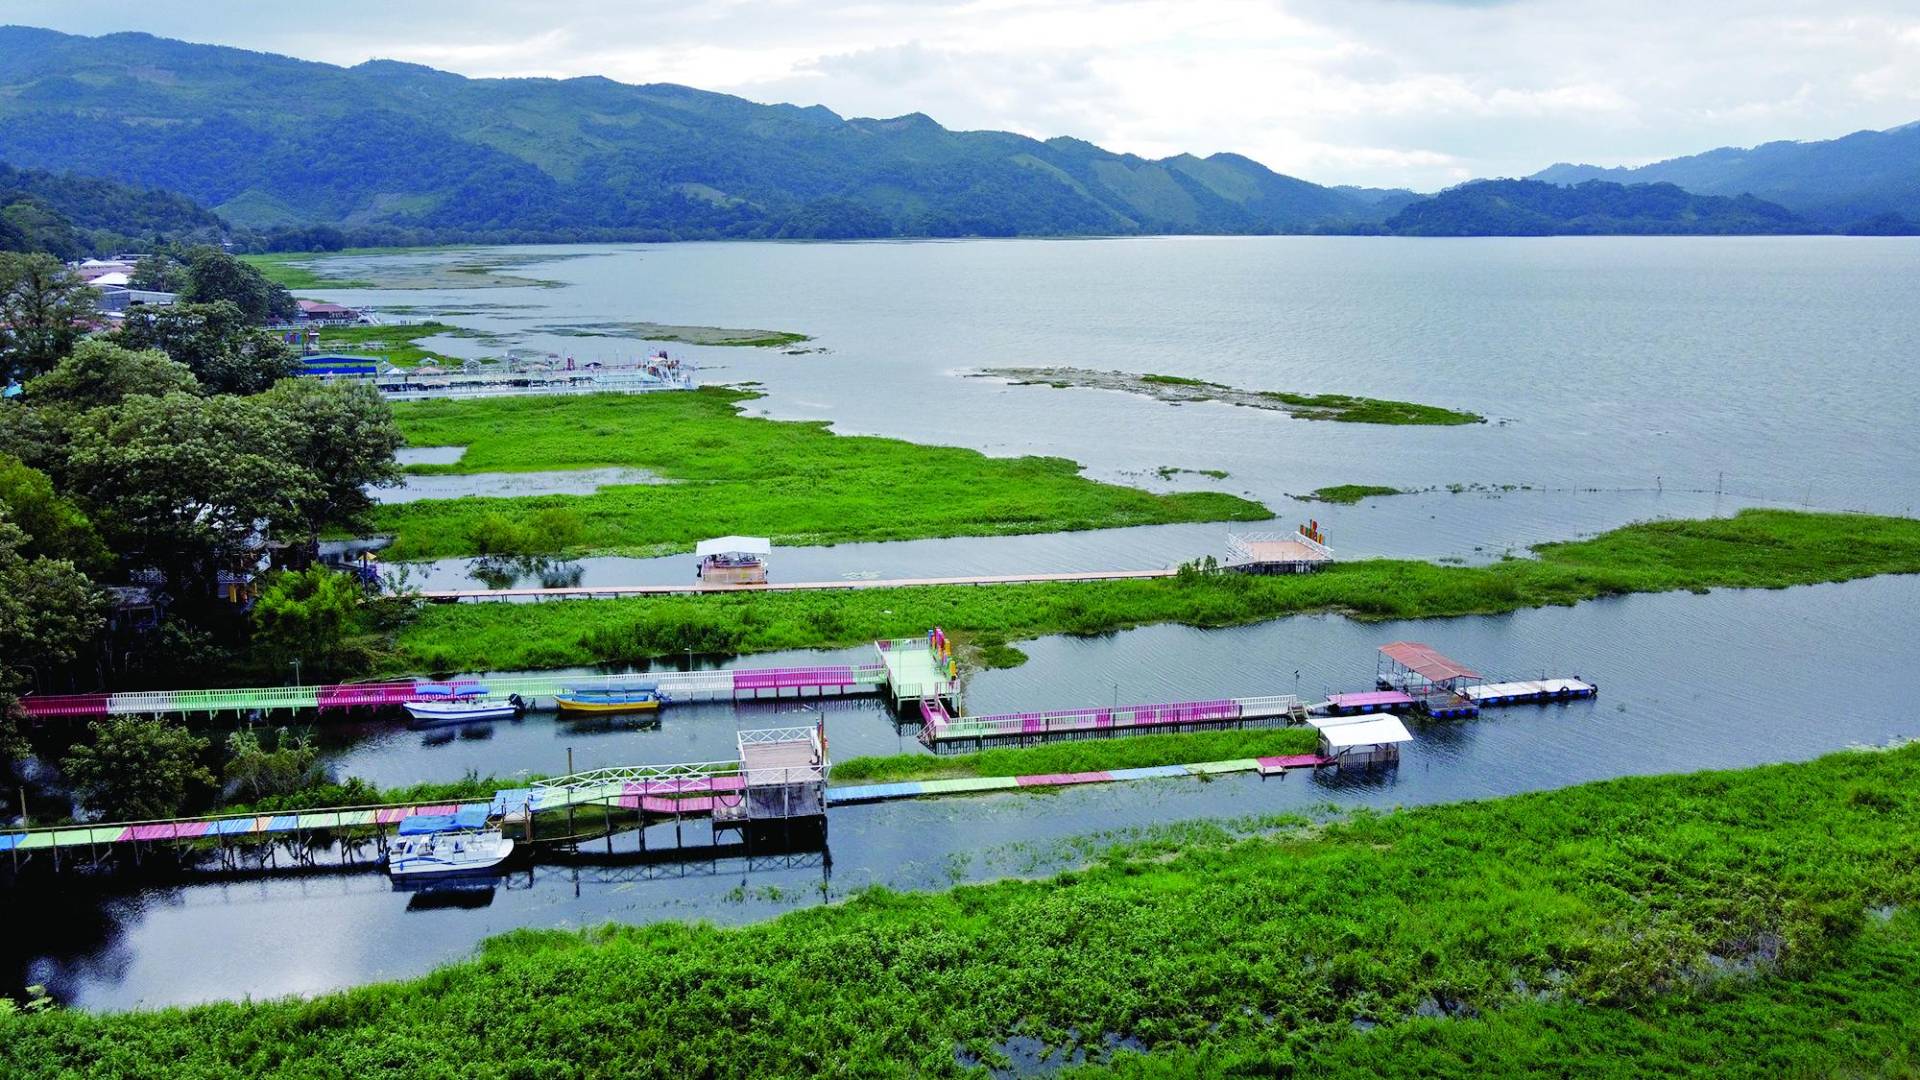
<point x="613" y="699"/>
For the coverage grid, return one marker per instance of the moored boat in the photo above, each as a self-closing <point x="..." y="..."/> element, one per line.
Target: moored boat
<point x="446" y="844"/>
<point x="642" y="697"/>
<point x="460" y="703"/>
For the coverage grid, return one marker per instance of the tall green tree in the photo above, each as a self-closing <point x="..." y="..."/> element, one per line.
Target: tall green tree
<point x="259" y="772"/>
<point x="135" y="768"/>
<point x="308" y="615"/>
<point x="42" y="304"/>
<point x="218" y="342"/>
<point x="213" y="275"/>
<point x="49" y="611"/>
<point x="180" y="482"/>
<point x="52" y="525"/>
<point x="99" y="372"/>
<point x="160" y="272"/>
<point x="345" y="434"/>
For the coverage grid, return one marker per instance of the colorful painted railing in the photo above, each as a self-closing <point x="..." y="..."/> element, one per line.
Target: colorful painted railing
<point x="844" y="678"/>
<point x="216" y="826"/>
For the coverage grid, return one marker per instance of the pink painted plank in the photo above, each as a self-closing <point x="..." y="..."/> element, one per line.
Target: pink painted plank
<point x="1057" y="779"/>
<point x="1292" y="761"/>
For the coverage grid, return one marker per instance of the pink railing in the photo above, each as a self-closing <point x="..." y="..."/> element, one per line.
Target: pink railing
<point x="786" y="678"/>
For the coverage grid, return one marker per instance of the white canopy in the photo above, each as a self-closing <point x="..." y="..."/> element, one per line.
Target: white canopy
<point x="1365" y="731"/>
<point x="734" y="545"/>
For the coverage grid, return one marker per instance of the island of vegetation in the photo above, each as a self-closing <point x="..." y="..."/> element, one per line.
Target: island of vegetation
<point x="1752" y="549"/>
<point x="1348" y="494"/>
<point x="686" y="335"/>
<point x="1703" y="924"/>
<point x="797" y="483"/>
<point x="1180" y="390"/>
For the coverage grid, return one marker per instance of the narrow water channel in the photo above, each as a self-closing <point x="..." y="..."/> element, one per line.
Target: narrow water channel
<point x="1687" y="682"/>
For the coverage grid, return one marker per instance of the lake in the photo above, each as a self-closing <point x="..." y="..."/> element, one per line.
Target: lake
<point x="1628" y="378"/>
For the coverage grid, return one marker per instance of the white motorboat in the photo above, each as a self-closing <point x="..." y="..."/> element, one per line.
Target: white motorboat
<point x="460" y="703"/>
<point x="458" y="843"/>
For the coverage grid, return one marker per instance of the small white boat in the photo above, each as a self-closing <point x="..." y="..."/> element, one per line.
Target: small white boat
<point x="446" y="844"/>
<point x="460" y="703"/>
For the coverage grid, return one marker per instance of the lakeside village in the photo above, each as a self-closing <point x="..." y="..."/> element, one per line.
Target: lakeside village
<point x="780" y="778"/>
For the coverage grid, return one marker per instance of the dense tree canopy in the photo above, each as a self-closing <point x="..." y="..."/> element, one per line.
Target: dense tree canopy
<point x="134" y="768"/>
<point x="214" y="276"/>
<point x="42" y="304"/>
<point x="99" y="372"/>
<point x="224" y="348"/>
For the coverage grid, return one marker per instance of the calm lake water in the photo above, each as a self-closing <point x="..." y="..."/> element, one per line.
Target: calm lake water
<point x="1630" y="378"/>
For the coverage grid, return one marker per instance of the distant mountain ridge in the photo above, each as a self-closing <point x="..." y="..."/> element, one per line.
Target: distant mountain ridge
<point x="72" y="216"/>
<point x="268" y="140"/>
<point x="1834" y="182"/>
<point x="1592" y="208"/>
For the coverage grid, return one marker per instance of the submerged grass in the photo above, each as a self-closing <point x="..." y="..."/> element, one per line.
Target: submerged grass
<point x="1081" y="755"/>
<point x="1753" y="549"/>
<point x="1750" y="924"/>
<point x="795" y="482"/>
<point x="1347" y="408"/>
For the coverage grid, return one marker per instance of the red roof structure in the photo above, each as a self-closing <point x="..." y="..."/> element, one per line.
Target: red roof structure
<point x="1427" y="663"/>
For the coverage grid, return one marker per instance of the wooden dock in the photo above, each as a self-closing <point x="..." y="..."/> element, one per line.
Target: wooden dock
<point x="607" y="592"/>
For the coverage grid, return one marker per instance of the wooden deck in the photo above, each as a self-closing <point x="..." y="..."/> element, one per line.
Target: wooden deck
<point x="586" y="592"/>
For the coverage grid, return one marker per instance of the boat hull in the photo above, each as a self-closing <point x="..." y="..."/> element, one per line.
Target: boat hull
<point x="437" y="712"/>
<point x="588" y="705"/>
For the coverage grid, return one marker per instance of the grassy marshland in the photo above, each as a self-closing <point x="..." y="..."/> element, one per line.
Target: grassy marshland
<point x="1745" y="924"/>
<point x="397" y="344"/>
<point x="1753" y="549"/>
<point x="795" y="482"/>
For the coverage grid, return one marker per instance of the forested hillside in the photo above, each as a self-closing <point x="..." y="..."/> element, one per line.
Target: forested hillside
<point x="1534" y="208"/>
<point x="74" y="216"/>
<point x="1835" y="182"/>
<point x="270" y="141"/>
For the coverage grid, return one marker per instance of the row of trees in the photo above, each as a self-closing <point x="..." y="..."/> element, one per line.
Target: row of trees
<point x="167" y="451"/>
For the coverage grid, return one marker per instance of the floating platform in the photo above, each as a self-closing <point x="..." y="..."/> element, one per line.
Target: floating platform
<point x="1531" y="692"/>
<point x="1369" y="701"/>
<point x="916" y="671"/>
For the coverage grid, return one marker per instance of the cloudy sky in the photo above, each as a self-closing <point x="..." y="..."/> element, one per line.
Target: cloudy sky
<point x="1420" y="93"/>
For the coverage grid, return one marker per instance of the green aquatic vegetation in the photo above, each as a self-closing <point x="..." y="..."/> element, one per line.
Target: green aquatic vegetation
<point x="1753" y="549"/>
<point x="793" y="481"/>
<point x="1081" y="755"/>
<point x="398" y="344"/>
<point x="1756" y="924"/>
<point x="1179" y="389"/>
<point x="1347" y="494"/>
<point x="1168" y="472"/>
<point x="689" y="335"/>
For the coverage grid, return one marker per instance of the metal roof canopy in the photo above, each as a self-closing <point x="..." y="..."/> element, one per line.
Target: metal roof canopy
<point x="1426" y="662"/>
<point x="734" y="545"/>
<point x="1373" y="731"/>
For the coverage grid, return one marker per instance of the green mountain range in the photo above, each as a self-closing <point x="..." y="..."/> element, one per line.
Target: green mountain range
<point x="1835" y="182"/>
<point x="266" y="140"/>
<point x="1595" y="207"/>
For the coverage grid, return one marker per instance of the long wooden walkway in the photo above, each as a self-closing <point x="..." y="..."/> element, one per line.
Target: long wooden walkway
<point x="592" y="592"/>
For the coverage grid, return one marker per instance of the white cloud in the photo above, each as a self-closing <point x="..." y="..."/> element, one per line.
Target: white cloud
<point x="1415" y="92"/>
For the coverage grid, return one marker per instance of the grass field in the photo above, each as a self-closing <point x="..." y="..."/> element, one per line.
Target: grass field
<point x="1734" y="924"/>
<point x="795" y="482"/>
<point x="1754" y="549"/>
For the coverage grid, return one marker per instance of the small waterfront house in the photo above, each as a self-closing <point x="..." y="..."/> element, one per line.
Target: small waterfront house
<point x="1371" y="740"/>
